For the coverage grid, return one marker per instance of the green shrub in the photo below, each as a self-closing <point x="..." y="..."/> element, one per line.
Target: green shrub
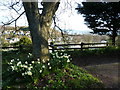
<point x="108" y="51"/>
<point x="25" y="41"/>
<point x="5" y="44"/>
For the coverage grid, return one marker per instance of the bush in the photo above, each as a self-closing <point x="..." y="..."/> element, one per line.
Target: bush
<point x="25" y="41"/>
<point x="108" y="51"/>
<point x="5" y="44"/>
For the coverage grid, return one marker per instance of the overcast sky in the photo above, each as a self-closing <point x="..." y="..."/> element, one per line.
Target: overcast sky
<point x="67" y="17"/>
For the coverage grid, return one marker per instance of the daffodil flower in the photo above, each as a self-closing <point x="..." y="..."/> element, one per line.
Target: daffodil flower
<point x="33" y="61"/>
<point x="43" y="66"/>
<point x="40" y="71"/>
<point x="48" y="64"/>
<point x="29" y="73"/>
<point x="50" y="67"/>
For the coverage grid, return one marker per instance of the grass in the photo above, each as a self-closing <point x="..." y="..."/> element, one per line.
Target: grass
<point x="71" y="76"/>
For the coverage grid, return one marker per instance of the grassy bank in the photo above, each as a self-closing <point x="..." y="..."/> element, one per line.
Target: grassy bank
<point x="108" y="51"/>
<point x="62" y="74"/>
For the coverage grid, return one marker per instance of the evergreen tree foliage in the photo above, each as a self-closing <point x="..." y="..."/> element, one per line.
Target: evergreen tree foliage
<point x="102" y="17"/>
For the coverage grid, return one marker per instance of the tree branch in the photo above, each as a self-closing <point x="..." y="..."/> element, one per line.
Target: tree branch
<point x="14" y="19"/>
<point x="55" y="25"/>
<point x="10" y="22"/>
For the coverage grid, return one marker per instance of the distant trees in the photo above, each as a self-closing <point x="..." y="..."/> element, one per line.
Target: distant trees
<point x="102" y="17"/>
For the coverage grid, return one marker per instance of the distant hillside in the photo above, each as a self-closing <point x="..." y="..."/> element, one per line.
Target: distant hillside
<point x="54" y="35"/>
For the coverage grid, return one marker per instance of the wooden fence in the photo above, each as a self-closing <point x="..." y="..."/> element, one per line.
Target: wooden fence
<point x="68" y="46"/>
<point x="78" y="46"/>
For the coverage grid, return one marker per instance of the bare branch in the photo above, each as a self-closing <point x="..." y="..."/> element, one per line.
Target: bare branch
<point x="14" y="19"/>
<point x="12" y="7"/>
<point x="55" y="25"/>
<point x="10" y="22"/>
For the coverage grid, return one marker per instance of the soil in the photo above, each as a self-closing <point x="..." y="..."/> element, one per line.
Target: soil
<point x="105" y="69"/>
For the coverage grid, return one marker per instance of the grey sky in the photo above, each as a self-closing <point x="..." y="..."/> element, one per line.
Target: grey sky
<point x="67" y="17"/>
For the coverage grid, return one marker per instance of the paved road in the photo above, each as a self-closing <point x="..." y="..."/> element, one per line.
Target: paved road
<point x="108" y="73"/>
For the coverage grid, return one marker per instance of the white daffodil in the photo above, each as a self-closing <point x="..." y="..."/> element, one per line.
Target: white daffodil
<point x="38" y="62"/>
<point x="43" y="66"/>
<point x="19" y="63"/>
<point x="48" y="59"/>
<point x="18" y="59"/>
<point x="13" y="68"/>
<point x="12" y="60"/>
<point x="66" y="57"/>
<point x="26" y="62"/>
<point x="43" y="61"/>
<point x="23" y="74"/>
<point x="25" y="66"/>
<point x="29" y="68"/>
<point x="40" y="71"/>
<point x="68" y="60"/>
<point x="48" y="64"/>
<point x="60" y="53"/>
<point x="38" y="59"/>
<point x="33" y="62"/>
<point x="50" y="67"/>
<point x="29" y="73"/>
<point x="10" y="63"/>
<point x="30" y="54"/>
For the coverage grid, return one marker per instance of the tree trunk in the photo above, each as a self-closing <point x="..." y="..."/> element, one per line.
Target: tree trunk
<point x="114" y="35"/>
<point x="39" y="25"/>
<point x="113" y="40"/>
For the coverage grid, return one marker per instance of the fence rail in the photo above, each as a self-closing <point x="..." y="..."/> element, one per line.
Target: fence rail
<point x="78" y="46"/>
<point x="67" y="46"/>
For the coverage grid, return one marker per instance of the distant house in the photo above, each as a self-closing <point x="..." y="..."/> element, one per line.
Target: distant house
<point x="13" y="40"/>
<point x="103" y="41"/>
<point x="12" y="36"/>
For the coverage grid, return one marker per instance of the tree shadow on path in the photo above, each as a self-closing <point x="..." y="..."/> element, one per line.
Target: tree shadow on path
<point x="105" y="68"/>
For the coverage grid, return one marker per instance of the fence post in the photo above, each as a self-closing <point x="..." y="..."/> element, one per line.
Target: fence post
<point x="82" y="46"/>
<point x="107" y="44"/>
<point x="21" y="48"/>
<point x="52" y="46"/>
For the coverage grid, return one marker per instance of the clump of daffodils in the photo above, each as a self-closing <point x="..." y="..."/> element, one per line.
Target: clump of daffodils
<point x="36" y="68"/>
<point x="59" y="60"/>
<point x="31" y="69"/>
<point x="26" y="68"/>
